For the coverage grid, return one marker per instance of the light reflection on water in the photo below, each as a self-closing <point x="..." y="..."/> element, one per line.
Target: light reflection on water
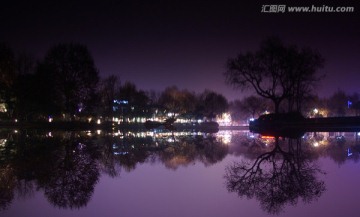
<point x="67" y="167"/>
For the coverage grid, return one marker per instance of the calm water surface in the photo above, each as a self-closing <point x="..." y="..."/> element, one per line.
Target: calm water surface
<point x="177" y="174"/>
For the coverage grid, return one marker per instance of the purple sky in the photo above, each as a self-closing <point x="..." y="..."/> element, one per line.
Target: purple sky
<point x="156" y="44"/>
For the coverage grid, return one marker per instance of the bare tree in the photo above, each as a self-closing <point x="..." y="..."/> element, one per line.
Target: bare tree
<point x="276" y="72"/>
<point x="277" y="178"/>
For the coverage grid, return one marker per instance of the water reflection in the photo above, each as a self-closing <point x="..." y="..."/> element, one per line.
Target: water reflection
<point x="281" y="171"/>
<point x="278" y="177"/>
<point x="71" y="176"/>
<point x="66" y="166"/>
<point x="62" y="166"/>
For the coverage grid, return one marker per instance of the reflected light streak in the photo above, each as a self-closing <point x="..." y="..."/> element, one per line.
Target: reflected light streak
<point x="224" y="136"/>
<point x="3" y="142"/>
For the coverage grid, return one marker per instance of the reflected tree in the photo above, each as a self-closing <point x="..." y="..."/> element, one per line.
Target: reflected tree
<point x="173" y="151"/>
<point x="65" y="167"/>
<point x="131" y="151"/>
<point x="211" y="151"/>
<point x="337" y="154"/>
<point x="276" y="178"/>
<point x="7" y="185"/>
<point x="25" y="189"/>
<point x="179" y="153"/>
<point x="73" y="178"/>
<point x="185" y="151"/>
<point x="129" y="160"/>
<point x="107" y="159"/>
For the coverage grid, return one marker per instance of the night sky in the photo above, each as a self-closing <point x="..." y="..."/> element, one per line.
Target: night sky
<point x="157" y="43"/>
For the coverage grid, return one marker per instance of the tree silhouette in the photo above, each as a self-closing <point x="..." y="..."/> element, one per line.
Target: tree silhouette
<point x="71" y="71"/>
<point x="212" y="104"/>
<point x="108" y="91"/>
<point x="251" y="106"/>
<point x="133" y="157"/>
<point x="7" y="184"/>
<point x="338" y="104"/>
<point x="210" y="150"/>
<point x="276" y="178"/>
<point x="7" y="76"/>
<point x="130" y="93"/>
<point x="71" y="182"/>
<point x="276" y="72"/>
<point x="177" y="101"/>
<point x="107" y="159"/>
<point x="137" y="100"/>
<point x="26" y="88"/>
<point x="179" y="153"/>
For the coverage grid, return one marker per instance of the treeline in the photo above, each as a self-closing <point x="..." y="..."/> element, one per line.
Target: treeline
<point x="284" y="78"/>
<point x="338" y="104"/>
<point x="66" y="84"/>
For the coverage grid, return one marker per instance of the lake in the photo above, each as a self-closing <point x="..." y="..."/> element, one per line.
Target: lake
<point x="161" y="173"/>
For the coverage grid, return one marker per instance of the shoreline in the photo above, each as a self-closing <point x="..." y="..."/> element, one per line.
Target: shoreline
<point x="207" y="127"/>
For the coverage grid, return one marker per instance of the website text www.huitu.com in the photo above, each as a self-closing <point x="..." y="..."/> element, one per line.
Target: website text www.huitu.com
<point x="304" y="9"/>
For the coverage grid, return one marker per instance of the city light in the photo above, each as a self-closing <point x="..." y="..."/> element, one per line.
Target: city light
<point x="319" y="112"/>
<point x="3" y="107"/>
<point x="3" y="142"/>
<point x="224" y="137"/>
<point x="349" y="152"/>
<point x="224" y="119"/>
